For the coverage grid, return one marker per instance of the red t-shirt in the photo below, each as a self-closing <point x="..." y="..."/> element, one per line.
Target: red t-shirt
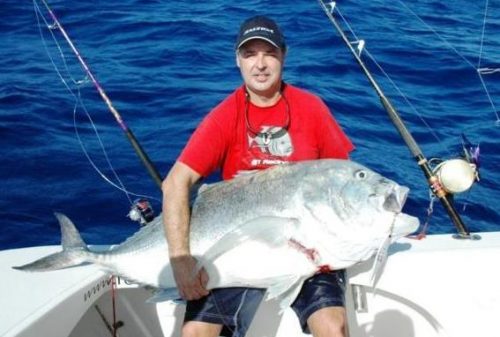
<point x="298" y="127"/>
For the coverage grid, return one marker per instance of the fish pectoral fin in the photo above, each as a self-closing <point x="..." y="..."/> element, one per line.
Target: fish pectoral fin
<point x="281" y="285"/>
<point x="271" y="230"/>
<point x="286" y="287"/>
<point x="162" y="295"/>
<point x="291" y="295"/>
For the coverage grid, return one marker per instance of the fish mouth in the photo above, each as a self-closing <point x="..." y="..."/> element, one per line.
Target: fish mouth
<point x="404" y="225"/>
<point x="396" y="199"/>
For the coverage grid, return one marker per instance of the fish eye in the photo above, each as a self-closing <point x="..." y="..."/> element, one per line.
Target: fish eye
<point x="360" y="174"/>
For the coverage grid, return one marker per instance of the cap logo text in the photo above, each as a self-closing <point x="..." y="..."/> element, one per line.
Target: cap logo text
<point x="248" y="31"/>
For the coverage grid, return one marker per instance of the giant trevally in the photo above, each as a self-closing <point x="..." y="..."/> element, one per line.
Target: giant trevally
<point x="270" y="229"/>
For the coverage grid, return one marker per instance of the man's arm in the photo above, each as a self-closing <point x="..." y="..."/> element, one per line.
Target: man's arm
<point x="176" y="188"/>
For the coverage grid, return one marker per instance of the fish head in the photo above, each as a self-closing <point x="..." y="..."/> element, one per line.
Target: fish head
<point x="367" y="204"/>
<point x="356" y="210"/>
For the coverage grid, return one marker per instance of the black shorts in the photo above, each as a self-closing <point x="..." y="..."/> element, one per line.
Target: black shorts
<point x="235" y="307"/>
<point x="320" y="291"/>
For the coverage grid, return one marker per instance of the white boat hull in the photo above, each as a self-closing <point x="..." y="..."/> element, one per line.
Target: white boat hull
<point x="438" y="286"/>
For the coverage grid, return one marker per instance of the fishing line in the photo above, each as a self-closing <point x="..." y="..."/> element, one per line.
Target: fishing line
<point x="405" y="98"/>
<point x="358" y="42"/>
<point x="482" y="34"/>
<point x="433" y="177"/>
<point x="50" y="27"/>
<point x="120" y="185"/>
<point x="79" y="102"/>
<point x="78" y="99"/>
<point x="478" y="69"/>
<point x="400" y="92"/>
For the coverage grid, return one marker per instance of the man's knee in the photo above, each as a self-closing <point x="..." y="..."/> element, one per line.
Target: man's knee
<point x="328" y="321"/>
<point x="200" y="329"/>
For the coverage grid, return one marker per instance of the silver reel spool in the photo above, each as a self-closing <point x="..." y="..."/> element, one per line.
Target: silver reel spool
<point x="456" y="175"/>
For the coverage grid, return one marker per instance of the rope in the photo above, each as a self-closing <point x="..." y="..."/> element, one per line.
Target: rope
<point x="113" y="299"/>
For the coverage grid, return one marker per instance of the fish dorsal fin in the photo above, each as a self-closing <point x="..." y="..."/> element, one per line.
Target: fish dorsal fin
<point x="70" y="237"/>
<point x="74" y="250"/>
<point x="271" y="230"/>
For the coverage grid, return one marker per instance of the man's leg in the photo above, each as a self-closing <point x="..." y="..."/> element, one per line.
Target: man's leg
<point x="224" y="312"/>
<point x="327" y="322"/>
<point x="320" y="305"/>
<point x="200" y="329"/>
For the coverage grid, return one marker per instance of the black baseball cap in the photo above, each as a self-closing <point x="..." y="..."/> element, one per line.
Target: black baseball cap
<point x="261" y="27"/>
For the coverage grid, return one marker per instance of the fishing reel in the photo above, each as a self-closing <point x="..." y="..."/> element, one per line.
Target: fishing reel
<point x="141" y="211"/>
<point x="456" y="175"/>
<point x="459" y="174"/>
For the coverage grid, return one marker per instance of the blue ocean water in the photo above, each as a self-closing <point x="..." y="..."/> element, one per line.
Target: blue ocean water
<point x="165" y="64"/>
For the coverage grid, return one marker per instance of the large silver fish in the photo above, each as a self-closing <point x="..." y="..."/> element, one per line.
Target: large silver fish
<point x="271" y="229"/>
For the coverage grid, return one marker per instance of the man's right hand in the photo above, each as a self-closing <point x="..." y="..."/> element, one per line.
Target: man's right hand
<point x="190" y="284"/>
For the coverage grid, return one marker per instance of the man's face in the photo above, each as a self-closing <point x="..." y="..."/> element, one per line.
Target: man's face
<point x="261" y="66"/>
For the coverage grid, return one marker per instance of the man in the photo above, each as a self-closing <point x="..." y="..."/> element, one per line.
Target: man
<point x="265" y="122"/>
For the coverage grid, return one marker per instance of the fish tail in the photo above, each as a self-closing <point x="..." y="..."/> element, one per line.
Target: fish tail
<point x="75" y="251"/>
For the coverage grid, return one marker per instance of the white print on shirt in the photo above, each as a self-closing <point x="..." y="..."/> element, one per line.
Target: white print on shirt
<point x="272" y="140"/>
<point x="268" y="162"/>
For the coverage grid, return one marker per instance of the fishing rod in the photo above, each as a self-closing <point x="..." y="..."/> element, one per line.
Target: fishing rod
<point x="435" y="184"/>
<point x="153" y="172"/>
